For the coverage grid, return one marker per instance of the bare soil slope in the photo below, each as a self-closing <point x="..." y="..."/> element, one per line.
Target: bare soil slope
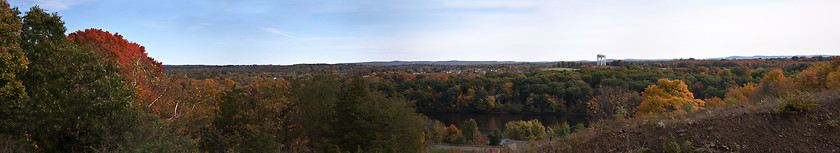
<point x="757" y="129"/>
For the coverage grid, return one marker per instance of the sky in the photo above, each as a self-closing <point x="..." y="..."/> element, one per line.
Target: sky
<point x="222" y="32"/>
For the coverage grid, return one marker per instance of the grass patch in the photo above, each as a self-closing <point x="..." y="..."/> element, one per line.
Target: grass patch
<point x="559" y="69"/>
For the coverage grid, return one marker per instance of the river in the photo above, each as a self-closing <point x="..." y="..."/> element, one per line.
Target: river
<point x="489" y="121"/>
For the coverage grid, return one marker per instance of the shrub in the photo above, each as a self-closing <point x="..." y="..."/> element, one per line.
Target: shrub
<point x="796" y="102"/>
<point x="579" y="128"/>
<point x="671" y="145"/>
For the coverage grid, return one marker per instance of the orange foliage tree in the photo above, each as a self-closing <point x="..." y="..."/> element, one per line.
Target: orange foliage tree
<point x="668" y="96"/>
<point x="774" y="84"/>
<point x="452" y="134"/>
<point x="739" y="95"/>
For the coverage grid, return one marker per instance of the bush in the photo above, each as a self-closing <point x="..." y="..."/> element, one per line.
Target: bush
<point x="579" y="128"/>
<point x="796" y="102"/>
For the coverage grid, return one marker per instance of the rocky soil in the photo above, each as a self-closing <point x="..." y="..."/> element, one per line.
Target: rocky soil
<point x="756" y="128"/>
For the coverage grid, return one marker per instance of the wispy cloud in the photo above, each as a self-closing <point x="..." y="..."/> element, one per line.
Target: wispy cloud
<point x="51" y="5"/>
<point x="275" y="31"/>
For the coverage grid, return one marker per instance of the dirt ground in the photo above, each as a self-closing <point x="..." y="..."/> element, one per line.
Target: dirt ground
<point x="745" y="129"/>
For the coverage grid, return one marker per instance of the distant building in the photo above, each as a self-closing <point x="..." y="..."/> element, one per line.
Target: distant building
<point x="602" y="60"/>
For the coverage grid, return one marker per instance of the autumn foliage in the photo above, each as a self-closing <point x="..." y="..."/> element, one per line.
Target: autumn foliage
<point x="820" y="76"/>
<point x="668" y="96"/>
<point x="128" y="54"/>
<point x="740" y="94"/>
<point x="613" y="103"/>
<point x="453" y="134"/>
<point x="775" y="84"/>
<point x="138" y="69"/>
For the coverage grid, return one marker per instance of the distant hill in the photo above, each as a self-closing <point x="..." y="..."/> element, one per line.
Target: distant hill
<point x="453" y="62"/>
<point x="456" y="62"/>
<point x="729" y="58"/>
<point x="762" y="56"/>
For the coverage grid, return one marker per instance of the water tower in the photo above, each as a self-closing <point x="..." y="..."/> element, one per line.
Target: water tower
<point x="602" y="60"/>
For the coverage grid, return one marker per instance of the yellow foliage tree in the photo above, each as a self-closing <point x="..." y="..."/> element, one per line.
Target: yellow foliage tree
<point x="820" y="76"/>
<point x="668" y="96"/>
<point x="833" y="80"/>
<point x="814" y="77"/>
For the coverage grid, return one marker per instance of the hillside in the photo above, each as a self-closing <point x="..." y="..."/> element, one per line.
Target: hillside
<point x="746" y="129"/>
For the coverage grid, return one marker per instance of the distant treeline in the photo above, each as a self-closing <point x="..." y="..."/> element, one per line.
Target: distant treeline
<point x="525" y="87"/>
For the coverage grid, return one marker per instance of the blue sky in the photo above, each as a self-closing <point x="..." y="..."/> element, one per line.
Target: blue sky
<point x="335" y="31"/>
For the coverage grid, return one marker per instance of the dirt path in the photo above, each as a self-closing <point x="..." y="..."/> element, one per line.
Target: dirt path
<point x="510" y="145"/>
<point x="466" y="147"/>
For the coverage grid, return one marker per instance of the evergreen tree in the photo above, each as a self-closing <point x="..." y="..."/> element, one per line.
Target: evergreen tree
<point x="495" y="137"/>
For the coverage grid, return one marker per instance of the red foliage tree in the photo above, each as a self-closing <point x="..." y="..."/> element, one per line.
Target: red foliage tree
<point x="129" y="55"/>
<point x="140" y="71"/>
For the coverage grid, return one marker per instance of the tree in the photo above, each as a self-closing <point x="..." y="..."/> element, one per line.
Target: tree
<point x="339" y="117"/>
<point x="40" y="26"/>
<point x="12" y="64"/>
<point x="668" y="96"/>
<point x="137" y="69"/>
<point x="78" y="103"/>
<point x="453" y="135"/>
<point x="561" y="130"/>
<point x="775" y="84"/>
<point x="820" y="76"/>
<point x="740" y="94"/>
<point x="255" y="118"/>
<point x="813" y="77"/>
<point x="495" y="137"/>
<point x="470" y="129"/>
<point x="524" y="130"/>
<point x="612" y="102"/>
